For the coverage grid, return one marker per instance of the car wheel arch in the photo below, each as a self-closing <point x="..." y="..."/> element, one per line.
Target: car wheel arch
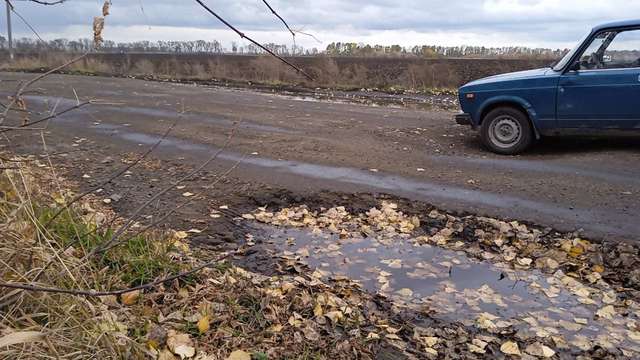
<point x="521" y="106"/>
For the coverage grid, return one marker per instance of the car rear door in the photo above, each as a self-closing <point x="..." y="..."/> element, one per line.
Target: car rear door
<point x="603" y="89"/>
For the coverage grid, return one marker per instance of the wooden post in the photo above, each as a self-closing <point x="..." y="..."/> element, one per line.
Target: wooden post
<point x="10" y="36"/>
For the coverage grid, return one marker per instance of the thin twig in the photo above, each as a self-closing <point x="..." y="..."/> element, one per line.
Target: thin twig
<point x="94" y="293"/>
<point x="13" y="9"/>
<point x="136" y="213"/>
<point x="52" y="116"/>
<point x="174" y="210"/>
<point x="24" y="86"/>
<point x="243" y="36"/>
<point x="111" y="178"/>
<point x="279" y="17"/>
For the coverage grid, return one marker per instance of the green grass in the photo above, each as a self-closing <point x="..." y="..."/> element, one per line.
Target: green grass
<point x="138" y="260"/>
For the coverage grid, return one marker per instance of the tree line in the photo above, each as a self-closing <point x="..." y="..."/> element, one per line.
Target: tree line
<point x="29" y="45"/>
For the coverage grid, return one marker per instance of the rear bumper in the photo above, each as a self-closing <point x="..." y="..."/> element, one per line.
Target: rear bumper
<point x="464" y="119"/>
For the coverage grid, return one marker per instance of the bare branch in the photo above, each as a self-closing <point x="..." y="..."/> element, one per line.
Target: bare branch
<point x="243" y="36"/>
<point x="52" y="116"/>
<point x="13" y="9"/>
<point x="43" y="2"/>
<point x="111" y="178"/>
<point x="24" y="86"/>
<point x="279" y="17"/>
<point x="114" y="239"/>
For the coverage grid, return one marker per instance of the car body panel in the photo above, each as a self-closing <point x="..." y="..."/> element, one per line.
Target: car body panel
<point x="535" y="91"/>
<point x="602" y="99"/>
<point x="560" y="98"/>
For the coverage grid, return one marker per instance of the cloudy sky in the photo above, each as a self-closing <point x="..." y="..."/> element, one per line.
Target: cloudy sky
<point x="534" y="23"/>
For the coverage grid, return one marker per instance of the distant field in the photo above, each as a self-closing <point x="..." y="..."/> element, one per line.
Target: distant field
<point x="329" y="72"/>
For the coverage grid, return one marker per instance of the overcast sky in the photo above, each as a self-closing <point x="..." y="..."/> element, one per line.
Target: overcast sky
<point x="534" y="23"/>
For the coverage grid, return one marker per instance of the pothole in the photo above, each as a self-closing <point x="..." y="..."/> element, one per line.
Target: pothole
<point x="508" y="291"/>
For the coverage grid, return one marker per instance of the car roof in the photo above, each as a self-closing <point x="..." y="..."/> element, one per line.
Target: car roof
<point x="617" y="24"/>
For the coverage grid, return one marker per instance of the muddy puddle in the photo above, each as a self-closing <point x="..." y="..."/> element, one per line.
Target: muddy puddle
<point x="451" y="286"/>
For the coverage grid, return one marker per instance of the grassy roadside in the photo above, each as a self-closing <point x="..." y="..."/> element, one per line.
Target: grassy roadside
<point x="223" y="312"/>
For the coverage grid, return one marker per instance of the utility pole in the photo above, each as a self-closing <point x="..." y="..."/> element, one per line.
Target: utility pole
<point x="9" y="35"/>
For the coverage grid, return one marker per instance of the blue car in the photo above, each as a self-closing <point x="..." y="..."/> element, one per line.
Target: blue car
<point x="595" y="87"/>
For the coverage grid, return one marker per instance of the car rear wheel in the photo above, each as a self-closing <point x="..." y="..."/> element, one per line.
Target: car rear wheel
<point x="506" y="131"/>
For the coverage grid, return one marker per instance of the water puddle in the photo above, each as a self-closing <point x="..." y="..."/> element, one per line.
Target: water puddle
<point x="452" y="286"/>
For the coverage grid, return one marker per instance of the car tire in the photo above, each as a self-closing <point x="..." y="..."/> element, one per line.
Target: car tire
<point x="506" y="131"/>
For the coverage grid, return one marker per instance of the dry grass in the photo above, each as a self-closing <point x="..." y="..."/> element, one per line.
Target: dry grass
<point x="328" y="72"/>
<point x="216" y="312"/>
<point x="70" y="326"/>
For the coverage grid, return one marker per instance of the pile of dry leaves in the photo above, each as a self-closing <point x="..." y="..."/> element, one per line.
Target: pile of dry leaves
<point x="590" y="306"/>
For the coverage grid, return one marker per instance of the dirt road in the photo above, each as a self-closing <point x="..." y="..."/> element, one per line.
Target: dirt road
<point x="309" y="147"/>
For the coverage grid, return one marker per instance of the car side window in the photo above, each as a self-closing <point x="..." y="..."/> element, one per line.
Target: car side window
<point x="624" y="51"/>
<point x="612" y="50"/>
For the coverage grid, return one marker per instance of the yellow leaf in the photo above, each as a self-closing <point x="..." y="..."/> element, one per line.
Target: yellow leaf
<point x="510" y="348"/>
<point x="130" y="298"/>
<point x="430" y="341"/>
<point x="203" y="324"/>
<point x="598" y="268"/>
<point x="373" y="336"/>
<point x="576" y="251"/>
<point x="239" y="355"/>
<point x="335" y="316"/>
<point x="606" y="312"/>
<point x="317" y="311"/>
<point x="181" y="235"/>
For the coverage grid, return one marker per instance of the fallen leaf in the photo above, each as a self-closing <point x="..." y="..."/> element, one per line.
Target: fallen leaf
<point x="180" y="344"/>
<point x="430" y="341"/>
<point x="607" y="312"/>
<point x="524" y="261"/>
<point x="187" y="194"/>
<point x="540" y="350"/>
<point x="510" y="348"/>
<point x="239" y="355"/>
<point x="181" y="235"/>
<point x="203" y="324"/>
<point x="311" y="334"/>
<point x="392" y="337"/>
<point x="581" y="321"/>
<point x="431" y="351"/>
<point x="405" y="292"/>
<point x="373" y="336"/>
<point x="130" y="298"/>
<point x="335" y="316"/>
